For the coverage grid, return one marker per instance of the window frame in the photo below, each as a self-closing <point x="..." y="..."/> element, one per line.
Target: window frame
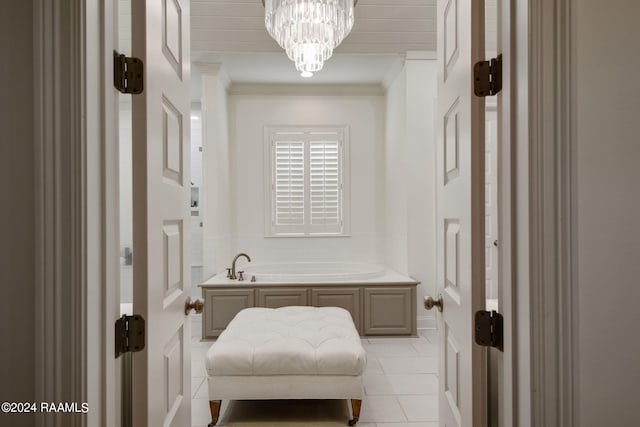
<point x="298" y="133"/>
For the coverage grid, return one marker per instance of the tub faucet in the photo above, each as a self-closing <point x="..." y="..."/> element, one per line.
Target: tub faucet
<point x="233" y="275"/>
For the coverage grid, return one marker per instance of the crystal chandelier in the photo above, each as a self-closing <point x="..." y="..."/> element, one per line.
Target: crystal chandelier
<point x="309" y="30"/>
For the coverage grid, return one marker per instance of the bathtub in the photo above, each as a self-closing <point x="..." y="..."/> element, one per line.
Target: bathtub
<point x="382" y="302"/>
<point x="315" y="271"/>
<point x="311" y="272"/>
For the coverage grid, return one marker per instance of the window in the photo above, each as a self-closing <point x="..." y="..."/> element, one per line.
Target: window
<point x="306" y="191"/>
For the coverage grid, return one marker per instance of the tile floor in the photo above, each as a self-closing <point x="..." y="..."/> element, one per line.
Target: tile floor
<point x="400" y="384"/>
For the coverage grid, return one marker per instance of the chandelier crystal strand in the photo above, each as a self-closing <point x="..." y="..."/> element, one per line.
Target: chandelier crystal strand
<point x="309" y="30"/>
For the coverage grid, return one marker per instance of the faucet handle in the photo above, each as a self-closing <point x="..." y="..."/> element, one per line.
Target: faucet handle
<point x="240" y="276"/>
<point x="229" y="273"/>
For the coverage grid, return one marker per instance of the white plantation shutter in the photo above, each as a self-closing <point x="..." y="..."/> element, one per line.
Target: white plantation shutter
<point x="307" y="181"/>
<point x="289" y="183"/>
<point x="325" y="182"/>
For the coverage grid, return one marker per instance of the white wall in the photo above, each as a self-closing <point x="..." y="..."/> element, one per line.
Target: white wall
<point x="216" y="175"/>
<point x="421" y="166"/>
<point x="396" y="176"/>
<point x="410" y="176"/>
<point x="365" y="116"/>
<point x="608" y="210"/>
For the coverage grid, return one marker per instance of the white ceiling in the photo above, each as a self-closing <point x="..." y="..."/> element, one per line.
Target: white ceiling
<point x="381" y="26"/>
<point x="232" y="32"/>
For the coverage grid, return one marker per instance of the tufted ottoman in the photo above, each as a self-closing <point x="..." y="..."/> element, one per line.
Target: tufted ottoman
<point x="287" y="353"/>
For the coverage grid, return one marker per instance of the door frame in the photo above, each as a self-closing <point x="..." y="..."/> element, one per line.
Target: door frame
<point x="508" y="125"/>
<point x="541" y="166"/>
<point x="76" y="211"/>
<point x="552" y="214"/>
<point x="58" y="287"/>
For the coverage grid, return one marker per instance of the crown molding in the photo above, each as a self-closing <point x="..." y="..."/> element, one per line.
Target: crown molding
<point x="214" y="69"/>
<point x="306" y="89"/>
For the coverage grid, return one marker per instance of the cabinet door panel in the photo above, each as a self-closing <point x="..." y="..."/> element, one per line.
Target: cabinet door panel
<point x="221" y="305"/>
<point x="389" y="311"/>
<point x="282" y="297"/>
<point x="347" y="298"/>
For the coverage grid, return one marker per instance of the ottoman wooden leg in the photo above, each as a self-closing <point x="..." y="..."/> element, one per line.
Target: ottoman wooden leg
<point x="214" y="407"/>
<point x="355" y="408"/>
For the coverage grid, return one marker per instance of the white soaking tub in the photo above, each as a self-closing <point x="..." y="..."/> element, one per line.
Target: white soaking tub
<point x="312" y="271"/>
<point x="382" y="302"/>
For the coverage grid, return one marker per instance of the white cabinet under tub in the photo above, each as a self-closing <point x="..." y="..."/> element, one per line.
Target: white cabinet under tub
<point x="377" y="309"/>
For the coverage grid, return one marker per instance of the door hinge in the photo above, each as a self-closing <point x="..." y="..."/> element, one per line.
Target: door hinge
<point x="487" y="77"/>
<point x="488" y="326"/>
<point x="130" y="334"/>
<point x="128" y="74"/>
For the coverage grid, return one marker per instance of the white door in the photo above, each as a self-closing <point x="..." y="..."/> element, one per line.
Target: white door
<point x="161" y="220"/>
<point x="460" y="213"/>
